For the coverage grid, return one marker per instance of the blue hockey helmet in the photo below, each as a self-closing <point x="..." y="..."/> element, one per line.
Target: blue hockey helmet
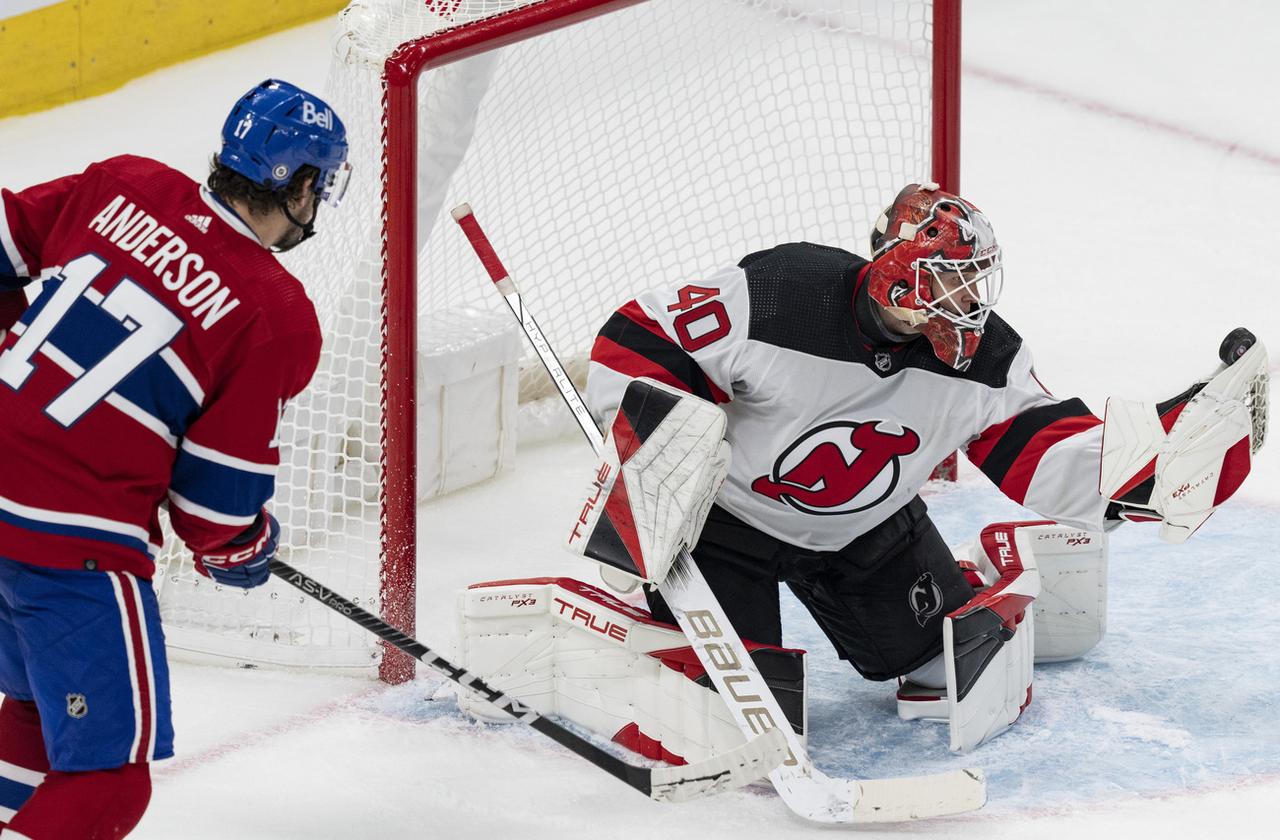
<point x="276" y="129"/>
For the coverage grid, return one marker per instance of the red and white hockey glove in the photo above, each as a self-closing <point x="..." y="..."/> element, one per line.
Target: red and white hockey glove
<point x="245" y="562"/>
<point x="1176" y="462"/>
<point x="663" y="462"/>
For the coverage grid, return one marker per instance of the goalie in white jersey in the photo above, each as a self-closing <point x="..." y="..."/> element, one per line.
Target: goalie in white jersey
<point x="780" y="417"/>
<point x="844" y="382"/>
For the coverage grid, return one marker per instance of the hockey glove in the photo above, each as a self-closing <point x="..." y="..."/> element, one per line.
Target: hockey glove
<point x="245" y="561"/>
<point x="1176" y="462"/>
<point x="663" y="462"/>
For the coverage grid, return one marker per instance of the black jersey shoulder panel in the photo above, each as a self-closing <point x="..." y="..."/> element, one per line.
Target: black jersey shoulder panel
<point x="990" y="367"/>
<point x="801" y="299"/>
<point x="801" y="296"/>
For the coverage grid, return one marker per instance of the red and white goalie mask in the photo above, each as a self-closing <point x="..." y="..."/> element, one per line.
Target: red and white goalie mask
<point x="937" y="266"/>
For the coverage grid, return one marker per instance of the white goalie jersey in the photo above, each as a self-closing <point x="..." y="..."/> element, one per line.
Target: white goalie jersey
<point x="831" y="431"/>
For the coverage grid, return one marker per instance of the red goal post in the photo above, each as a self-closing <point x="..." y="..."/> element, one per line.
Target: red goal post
<point x="402" y="71"/>
<point x="687" y="133"/>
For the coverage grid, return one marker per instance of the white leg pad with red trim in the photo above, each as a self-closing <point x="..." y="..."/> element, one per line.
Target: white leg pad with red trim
<point x="574" y="651"/>
<point x="1070" y="612"/>
<point x="663" y="461"/>
<point x="988" y="644"/>
<point x="1071" y="609"/>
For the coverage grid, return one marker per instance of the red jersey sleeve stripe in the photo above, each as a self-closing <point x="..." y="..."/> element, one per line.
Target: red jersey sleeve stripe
<point x="1018" y="478"/>
<point x="998" y="448"/>
<point x="635" y="313"/>
<point x="978" y="451"/>
<point x="634" y="349"/>
<point x="624" y="361"/>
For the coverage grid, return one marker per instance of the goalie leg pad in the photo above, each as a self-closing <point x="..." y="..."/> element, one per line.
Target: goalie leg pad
<point x="990" y="656"/>
<point x="988" y="643"/>
<point x="1071" y="610"/>
<point x="571" y="650"/>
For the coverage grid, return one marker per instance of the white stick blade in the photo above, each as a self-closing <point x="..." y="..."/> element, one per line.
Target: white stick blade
<point x="921" y="797"/>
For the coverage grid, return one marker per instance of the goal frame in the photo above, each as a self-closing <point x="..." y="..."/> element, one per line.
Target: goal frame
<point x="400" y="74"/>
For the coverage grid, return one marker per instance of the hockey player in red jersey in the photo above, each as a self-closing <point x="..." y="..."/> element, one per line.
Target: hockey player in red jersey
<point x="151" y="368"/>
<point x="843" y="382"/>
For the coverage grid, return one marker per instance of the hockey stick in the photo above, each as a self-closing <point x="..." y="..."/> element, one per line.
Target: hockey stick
<point x="806" y="790"/>
<point x="735" y="768"/>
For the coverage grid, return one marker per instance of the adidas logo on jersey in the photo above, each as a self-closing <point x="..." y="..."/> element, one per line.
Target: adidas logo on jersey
<point x="200" y="223"/>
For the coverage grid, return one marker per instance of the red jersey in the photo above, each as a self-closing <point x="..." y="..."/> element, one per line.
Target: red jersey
<point x="154" y="363"/>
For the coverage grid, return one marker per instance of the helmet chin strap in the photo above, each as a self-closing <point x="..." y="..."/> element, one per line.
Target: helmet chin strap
<point x="912" y="317"/>
<point x="308" y="229"/>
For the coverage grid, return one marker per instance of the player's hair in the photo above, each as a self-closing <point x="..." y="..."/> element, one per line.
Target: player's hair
<point x="261" y="200"/>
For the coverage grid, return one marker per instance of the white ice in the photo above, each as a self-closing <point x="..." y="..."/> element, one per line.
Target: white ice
<point x="1127" y="154"/>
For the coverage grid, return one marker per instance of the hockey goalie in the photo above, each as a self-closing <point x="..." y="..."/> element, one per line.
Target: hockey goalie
<point x="780" y="416"/>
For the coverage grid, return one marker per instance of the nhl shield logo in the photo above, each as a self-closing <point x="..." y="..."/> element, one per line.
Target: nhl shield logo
<point x="77" y="706"/>
<point x="840" y="467"/>
<point x="883" y="362"/>
<point x="925" y="598"/>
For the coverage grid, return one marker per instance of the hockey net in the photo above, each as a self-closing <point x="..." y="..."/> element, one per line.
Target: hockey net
<point x="610" y="147"/>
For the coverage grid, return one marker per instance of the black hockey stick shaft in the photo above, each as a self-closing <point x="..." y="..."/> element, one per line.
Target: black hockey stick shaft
<point x="639" y="778"/>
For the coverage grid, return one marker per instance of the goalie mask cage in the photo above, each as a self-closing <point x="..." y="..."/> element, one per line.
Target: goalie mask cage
<point x="610" y="146"/>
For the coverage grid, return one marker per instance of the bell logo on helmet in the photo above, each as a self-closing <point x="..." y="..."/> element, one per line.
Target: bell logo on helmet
<point x="276" y="129"/>
<point x="840" y="467"/>
<point x="312" y="116"/>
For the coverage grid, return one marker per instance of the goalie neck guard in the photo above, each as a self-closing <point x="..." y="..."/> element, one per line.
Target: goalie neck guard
<point x="937" y="267"/>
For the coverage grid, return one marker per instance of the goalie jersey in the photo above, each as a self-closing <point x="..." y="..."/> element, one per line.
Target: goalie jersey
<point x="153" y="364"/>
<point x="833" y="425"/>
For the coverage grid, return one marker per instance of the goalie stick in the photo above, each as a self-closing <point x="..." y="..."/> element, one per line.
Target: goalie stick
<point x="738" y="767"/>
<point x="807" y="791"/>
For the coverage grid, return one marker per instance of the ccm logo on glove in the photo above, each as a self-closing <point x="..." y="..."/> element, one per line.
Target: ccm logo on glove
<point x="244" y="561"/>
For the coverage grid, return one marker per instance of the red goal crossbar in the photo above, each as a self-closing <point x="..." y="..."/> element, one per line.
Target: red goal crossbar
<point x="400" y="304"/>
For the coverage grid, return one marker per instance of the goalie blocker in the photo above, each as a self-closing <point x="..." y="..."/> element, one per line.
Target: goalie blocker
<point x="569" y="649"/>
<point x="663" y="461"/>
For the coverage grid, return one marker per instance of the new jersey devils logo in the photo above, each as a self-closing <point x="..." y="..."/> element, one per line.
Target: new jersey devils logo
<point x="840" y="467"/>
<point x="925" y="598"/>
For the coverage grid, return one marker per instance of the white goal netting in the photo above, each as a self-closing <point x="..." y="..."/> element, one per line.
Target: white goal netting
<point x="639" y="148"/>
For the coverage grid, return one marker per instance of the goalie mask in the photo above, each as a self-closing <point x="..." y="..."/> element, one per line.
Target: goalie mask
<point x="937" y="266"/>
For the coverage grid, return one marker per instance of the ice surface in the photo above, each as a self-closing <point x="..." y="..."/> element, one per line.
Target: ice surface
<point x="1127" y="154"/>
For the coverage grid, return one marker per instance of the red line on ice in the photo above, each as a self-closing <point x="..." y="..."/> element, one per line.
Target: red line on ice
<point x="1097" y="107"/>
<point x="249" y="740"/>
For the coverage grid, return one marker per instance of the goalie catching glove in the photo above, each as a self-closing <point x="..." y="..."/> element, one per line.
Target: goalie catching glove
<point x="1176" y="461"/>
<point x="663" y="462"/>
